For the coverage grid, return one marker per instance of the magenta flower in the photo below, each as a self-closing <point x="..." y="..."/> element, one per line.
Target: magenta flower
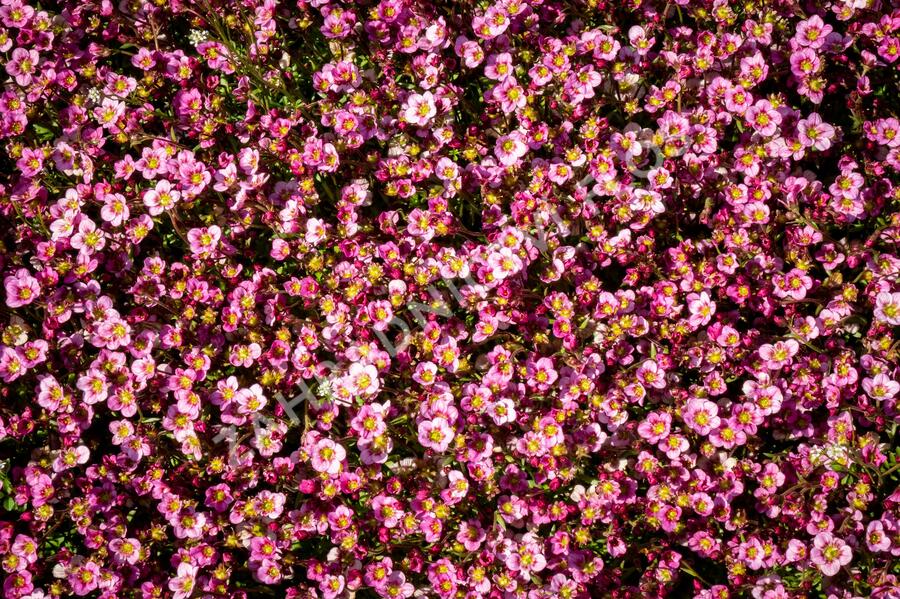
<point x="701" y="307"/>
<point x="109" y="112"/>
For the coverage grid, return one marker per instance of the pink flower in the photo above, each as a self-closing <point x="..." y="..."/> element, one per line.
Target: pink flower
<point x="22" y="65"/>
<point x="510" y="95"/>
<point x="887" y="132"/>
<point x="332" y="586"/>
<point x="31" y="162"/>
<point x="244" y="355"/>
<point x="425" y="373"/>
<point x="94" y="385"/>
<point x="369" y="421"/>
<point x="89" y="239"/>
<point x="880" y="387"/>
<point x="647" y="201"/>
<point x="795" y="284"/>
<point x="247" y="401"/>
<point x="815" y="133"/>
<point x="363" y="379"/>
<point x="510" y="149"/>
<point x="262" y="548"/>
<point x="527" y="557"/>
<point x="829" y="553"/>
<point x="499" y="67"/>
<point x="126" y="550"/>
<point x="419" y="109"/>
<point x="16" y="14"/>
<point x="387" y="510"/>
<point x="114" y="210"/>
<point x="21" y="288"/>
<point x="269" y="572"/>
<point x="702" y="308"/>
<point x="669" y="517"/>
<point x="436" y="434"/>
<point x="763" y="118"/>
<point x="796" y="551"/>
<point x="504" y="263"/>
<point x="396" y="586"/>
<point x="70" y="458"/>
<point x="651" y="375"/>
<point x="218" y="497"/>
<point x="327" y="457"/>
<point x="887" y="308"/>
<point x="109" y="112"/>
<point x="502" y="411"/>
<point x="161" y="198"/>
<point x="655" y="427"/>
<point x="457" y="487"/>
<point x="889" y="49"/>
<point x="812" y="32"/>
<point x="471" y="53"/>
<point x="494" y="22"/>
<point x="471" y="535"/>
<point x="701" y="416"/>
<point x="143" y="59"/>
<point x="341" y="518"/>
<point x="183" y="583"/>
<point x="541" y="374"/>
<point x="315" y="231"/>
<point x="780" y="354"/>
<point x="204" y="241"/>
<point x="877" y="539"/>
<point x="85" y="578"/>
<point x="431" y="528"/>
<point x="738" y="100"/>
<point x="188" y="524"/>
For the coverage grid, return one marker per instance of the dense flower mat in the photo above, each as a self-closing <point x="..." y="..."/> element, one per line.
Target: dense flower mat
<point x="538" y="298"/>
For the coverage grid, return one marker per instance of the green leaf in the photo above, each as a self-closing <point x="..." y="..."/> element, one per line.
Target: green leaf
<point x="43" y="133"/>
<point x="9" y="504"/>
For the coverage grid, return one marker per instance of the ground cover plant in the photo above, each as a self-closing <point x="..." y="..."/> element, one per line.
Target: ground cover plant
<point x="418" y="298"/>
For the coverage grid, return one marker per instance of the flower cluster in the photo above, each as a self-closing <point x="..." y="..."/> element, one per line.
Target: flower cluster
<point x="591" y="298"/>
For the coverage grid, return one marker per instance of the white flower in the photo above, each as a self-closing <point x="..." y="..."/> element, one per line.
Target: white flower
<point x="836" y="454"/>
<point x="326" y="389"/>
<point x="197" y="37"/>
